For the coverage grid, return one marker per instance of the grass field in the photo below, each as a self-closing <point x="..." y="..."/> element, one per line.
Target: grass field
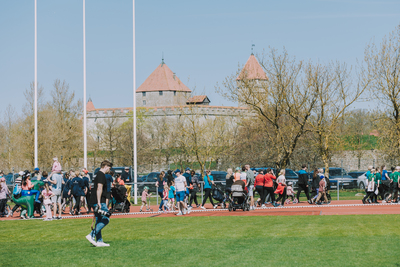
<point x="367" y="240"/>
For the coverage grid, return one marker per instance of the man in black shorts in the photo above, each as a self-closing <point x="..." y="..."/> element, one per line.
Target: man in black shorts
<point x="98" y="199"/>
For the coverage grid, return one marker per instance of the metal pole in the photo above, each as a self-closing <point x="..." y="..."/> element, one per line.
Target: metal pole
<point x="84" y="89"/>
<point x="134" y="105"/>
<point x="36" y="96"/>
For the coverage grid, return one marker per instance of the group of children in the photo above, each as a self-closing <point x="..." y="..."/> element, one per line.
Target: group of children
<point x="168" y="198"/>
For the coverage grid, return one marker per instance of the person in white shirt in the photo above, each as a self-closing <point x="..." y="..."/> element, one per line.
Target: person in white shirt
<point x="180" y="186"/>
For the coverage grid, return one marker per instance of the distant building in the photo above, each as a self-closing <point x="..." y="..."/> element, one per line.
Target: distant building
<point x="163" y="94"/>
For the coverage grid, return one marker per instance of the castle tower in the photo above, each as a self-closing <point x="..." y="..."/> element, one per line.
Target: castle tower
<point x="162" y="88"/>
<point x="252" y="76"/>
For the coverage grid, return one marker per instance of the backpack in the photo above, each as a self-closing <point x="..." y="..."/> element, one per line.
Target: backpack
<point x="17" y="191"/>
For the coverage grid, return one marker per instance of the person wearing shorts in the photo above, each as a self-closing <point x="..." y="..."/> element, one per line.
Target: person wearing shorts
<point x="56" y="181"/>
<point x="250" y="185"/>
<point x="180" y="185"/>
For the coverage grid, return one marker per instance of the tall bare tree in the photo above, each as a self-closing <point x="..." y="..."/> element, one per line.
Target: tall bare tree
<point x="383" y="65"/>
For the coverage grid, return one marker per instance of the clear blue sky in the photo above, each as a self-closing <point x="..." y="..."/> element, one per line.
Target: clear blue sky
<point x="203" y="41"/>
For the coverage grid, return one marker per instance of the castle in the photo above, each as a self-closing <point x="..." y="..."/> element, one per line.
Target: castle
<point x="163" y="94"/>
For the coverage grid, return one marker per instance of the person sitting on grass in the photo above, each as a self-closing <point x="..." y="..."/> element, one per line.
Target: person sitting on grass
<point x="145" y="195"/>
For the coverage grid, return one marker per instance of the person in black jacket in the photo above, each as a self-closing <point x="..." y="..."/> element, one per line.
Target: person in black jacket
<point x="303" y="183"/>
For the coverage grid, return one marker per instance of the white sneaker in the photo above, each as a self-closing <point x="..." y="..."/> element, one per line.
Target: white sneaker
<point x="263" y="206"/>
<point x="102" y="244"/>
<point x="179" y="214"/>
<point x="184" y="211"/>
<point x="215" y="206"/>
<point x="90" y="238"/>
<point x="202" y="207"/>
<point x="189" y="210"/>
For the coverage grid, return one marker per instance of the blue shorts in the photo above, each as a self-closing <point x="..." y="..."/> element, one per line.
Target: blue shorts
<point x="180" y="196"/>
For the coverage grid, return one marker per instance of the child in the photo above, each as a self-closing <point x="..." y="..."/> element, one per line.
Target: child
<point x="289" y="193"/>
<point x="171" y="198"/>
<point x="321" y="176"/>
<point x="371" y="186"/>
<point x="47" y="194"/>
<point x="56" y="166"/>
<point x="165" y="198"/>
<point x="145" y="194"/>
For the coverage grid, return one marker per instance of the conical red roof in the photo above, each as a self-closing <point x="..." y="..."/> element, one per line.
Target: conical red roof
<point x="252" y="70"/>
<point x="162" y="79"/>
<point x="90" y="106"/>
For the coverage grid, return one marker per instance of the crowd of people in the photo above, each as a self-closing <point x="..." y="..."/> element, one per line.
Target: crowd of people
<point x="179" y="190"/>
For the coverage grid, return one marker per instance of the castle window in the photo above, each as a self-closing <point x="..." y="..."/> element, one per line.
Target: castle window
<point x="144" y="102"/>
<point x="174" y="93"/>
<point x="160" y="92"/>
<point x="143" y="93"/>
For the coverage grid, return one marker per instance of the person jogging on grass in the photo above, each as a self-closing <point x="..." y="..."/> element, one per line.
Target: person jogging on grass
<point x="98" y="199"/>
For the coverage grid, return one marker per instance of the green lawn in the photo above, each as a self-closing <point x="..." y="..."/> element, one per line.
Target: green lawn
<point x="363" y="240"/>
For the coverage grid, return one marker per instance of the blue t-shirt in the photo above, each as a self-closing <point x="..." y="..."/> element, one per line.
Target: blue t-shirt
<point x="384" y="172"/>
<point x="171" y="192"/>
<point x="77" y="187"/>
<point x="206" y="184"/>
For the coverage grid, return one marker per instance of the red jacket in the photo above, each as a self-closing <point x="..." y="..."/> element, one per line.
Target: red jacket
<point x="268" y="180"/>
<point x="259" y="180"/>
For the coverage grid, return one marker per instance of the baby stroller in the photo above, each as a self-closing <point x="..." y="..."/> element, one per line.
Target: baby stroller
<point x="120" y="202"/>
<point x="239" y="199"/>
<point x="219" y="196"/>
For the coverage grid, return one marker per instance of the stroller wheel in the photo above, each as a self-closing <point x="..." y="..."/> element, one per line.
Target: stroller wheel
<point x="234" y="209"/>
<point x="230" y="207"/>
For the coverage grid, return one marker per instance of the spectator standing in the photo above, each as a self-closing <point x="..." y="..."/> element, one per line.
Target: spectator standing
<point x="56" y="182"/>
<point x="194" y="188"/>
<point x="237" y="174"/>
<point x="259" y="187"/>
<point x="170" y="178"/>
<point x="281" y="189"/>
<point x="3" y="194"/>
<point x="269" y="179"/>
<point x="229" y="179"/>
<point x="243" y="175"/>
<point x="161" y="181"/>
<point x="322" y="190"/>
<point x="180" y="185"/>
<point x="47" y="195"/>
<point x="250" y="185"/>
<point x="66" y="194"/>
<point x="77" y="191"/>
<point x="126" y="176"/>
<point x="208" y="182"/>
<point x="110" y="180"/>
<point x="303" y="183"/>
<point x="17" y="183"/>
<point x="187" y="176"/>
<point x="86" y="183"/>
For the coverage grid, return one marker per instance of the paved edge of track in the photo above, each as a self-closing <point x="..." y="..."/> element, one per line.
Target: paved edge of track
<point x="280" y="209"/>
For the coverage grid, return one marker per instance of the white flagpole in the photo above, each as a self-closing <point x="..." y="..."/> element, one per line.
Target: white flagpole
<point x="84" y="90"/>
<point x="36" y="96"/>
<point x="134" y="107"/>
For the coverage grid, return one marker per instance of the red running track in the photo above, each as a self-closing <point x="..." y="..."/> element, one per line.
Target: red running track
<point x="343" y="207"/>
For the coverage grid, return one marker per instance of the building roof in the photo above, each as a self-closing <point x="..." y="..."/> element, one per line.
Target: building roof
<point x="162" y="79"/>
<point x="252" y="70"/>
<point x="90" y="106"/>
<point x="198" y="99"/>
